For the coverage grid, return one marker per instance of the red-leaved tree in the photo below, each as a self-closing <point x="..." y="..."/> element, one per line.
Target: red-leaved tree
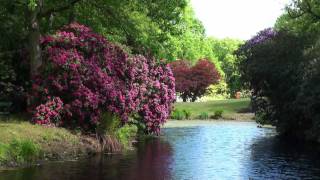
<point x="192" y="82"/>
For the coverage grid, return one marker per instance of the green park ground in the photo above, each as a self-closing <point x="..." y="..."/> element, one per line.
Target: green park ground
<point x="232" y="109"/>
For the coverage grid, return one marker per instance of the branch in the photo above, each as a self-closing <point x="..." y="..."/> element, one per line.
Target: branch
<point x="295" y="15"/>
<point x="310" y="10"/>
<point x="50" y="11"/>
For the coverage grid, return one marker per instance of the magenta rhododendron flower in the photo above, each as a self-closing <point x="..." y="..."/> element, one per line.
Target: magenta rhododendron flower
<point x="91" y="75"/>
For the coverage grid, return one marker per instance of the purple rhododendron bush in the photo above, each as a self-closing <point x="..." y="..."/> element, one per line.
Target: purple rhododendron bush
<point x="84" y="75"/>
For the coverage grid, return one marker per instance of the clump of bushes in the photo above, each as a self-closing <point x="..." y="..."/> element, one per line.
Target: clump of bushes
<point x="187" y="113"/>
<point x="84" y="75"/>
<point x="177" y="114"/>
<point x="126" y="134"/>
<point x="204" y="115"/>
<point x="181" y="114"/>
<point x="217" y="114"/>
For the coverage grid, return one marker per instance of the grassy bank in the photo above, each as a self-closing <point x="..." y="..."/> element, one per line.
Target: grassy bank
<point x="233" y="109"/>
<point x="22" y="143"/>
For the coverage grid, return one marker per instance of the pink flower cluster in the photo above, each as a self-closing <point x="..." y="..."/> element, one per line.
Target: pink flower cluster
<point x="91" y="75"/>
<point x="50" y="112"/>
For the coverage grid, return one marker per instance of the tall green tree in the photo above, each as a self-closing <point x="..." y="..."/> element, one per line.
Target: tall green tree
<point x="142" y="25"/>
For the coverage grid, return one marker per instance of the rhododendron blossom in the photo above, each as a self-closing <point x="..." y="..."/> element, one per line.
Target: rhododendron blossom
<point x="50" y="112"/>
<point x="91" y="75"/>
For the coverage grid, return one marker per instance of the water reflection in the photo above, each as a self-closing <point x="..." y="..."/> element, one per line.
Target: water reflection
<point x="149" y="161"/>
<point x="217" y="150"/>
<point x="275" y="158"/>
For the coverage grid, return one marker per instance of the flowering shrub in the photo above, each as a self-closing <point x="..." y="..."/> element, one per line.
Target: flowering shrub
<point x="159" y="97"/>
<point x="193" y="82"/>
<point x="91" y="75"/>
<point x="50" y="112"/>
<point x="261" y="37"/>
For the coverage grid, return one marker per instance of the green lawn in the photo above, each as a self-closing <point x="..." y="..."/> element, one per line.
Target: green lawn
<point x="232" y="108"/>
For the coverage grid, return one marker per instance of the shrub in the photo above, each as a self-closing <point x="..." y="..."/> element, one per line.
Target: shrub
<point x="187" y="114"/>
<point x="217" y="114"/>
<point x="178" y="114"/>
<point x="193" y="82"/>
<point x="204" y="115"/>
<point x="90" y="76"/>
<point x="125" y="134"/>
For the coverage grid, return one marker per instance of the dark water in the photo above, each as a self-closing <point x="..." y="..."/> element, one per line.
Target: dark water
<point x="216" y="150"/>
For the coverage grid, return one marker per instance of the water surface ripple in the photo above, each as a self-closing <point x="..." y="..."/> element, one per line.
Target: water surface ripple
<point x="211" y="150"/>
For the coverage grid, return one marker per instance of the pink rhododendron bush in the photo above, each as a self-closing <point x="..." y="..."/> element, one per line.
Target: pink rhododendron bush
<point x="84" y="75"/>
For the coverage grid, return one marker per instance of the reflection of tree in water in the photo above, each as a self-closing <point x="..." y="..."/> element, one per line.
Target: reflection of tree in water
<point x="151" y="161"/>
<point x="272" y="157"/>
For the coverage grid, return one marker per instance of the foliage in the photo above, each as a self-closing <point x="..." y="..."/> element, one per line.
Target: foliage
<point x="143" y="26"/>
<point x="140" y="26"/>
<point x="178" y="114"/>
<point x="217" y="114"/>
<point x="164" y="29"/>
<point x="217" y="91"/>
<point x="19" y="151"/>
<point x="126" y="134"/>
<point x="224" y="50"/>
<point x="10" y="90"/>
<point x="277" y="66"/>
<point x="230" y="107"/>
<point x="204" y="115"/>
<point x="181" y="114"/>
<point x="90" y="75"/>
<point x="193" y="82"/>
<point x="187" y="113"/>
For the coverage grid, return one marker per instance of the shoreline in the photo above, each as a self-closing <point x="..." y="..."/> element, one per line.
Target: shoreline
<point x="199" y="122"/>
<point x="23" y="144"/>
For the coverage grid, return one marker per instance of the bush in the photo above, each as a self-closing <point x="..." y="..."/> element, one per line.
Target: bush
<point x="204" y="115"/>
<point x="217" y="114"/>
<point x="181" y="114"/>
<point x="91" y="76"/>
<point x="187" y="114"/>
<point x="126" y="134"/>
<point x="178" y="114"/>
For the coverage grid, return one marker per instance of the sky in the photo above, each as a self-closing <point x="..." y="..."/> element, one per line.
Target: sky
<point x="240" y="19"/>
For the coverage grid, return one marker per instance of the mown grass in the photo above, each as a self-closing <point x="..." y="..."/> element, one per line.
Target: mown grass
<point x="232" y="108"/>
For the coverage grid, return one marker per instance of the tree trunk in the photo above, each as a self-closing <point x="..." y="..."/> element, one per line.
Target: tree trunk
<point x="72" y="16"/>
<point x="34" y="42"/>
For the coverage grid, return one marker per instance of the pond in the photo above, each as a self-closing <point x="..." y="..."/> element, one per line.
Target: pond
<point x="192" y="150"/>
